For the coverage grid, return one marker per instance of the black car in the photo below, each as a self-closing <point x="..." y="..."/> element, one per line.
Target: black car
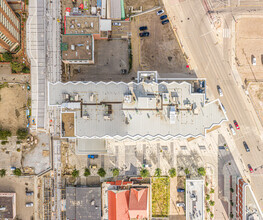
<point x="246" y="146"/>
<point x="143" y="28"/>
<point x="144" y="34"/>
<point x="163" y="17"/>
<point x="165" y="22"/>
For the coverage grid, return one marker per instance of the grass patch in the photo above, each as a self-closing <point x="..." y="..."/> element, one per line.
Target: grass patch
<point x="160" y="197"/>
<point x="3" y="85"/>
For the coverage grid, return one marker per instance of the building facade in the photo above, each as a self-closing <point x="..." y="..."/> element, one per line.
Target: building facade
<point x="9" y="28"/>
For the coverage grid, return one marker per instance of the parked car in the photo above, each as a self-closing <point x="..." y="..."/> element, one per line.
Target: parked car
<point x="223" y="108"/>
<point x="232" y="129"/>
<point x="236" y="124"/>
<point x="165" y="22"/>
<point x="93" y="156"/>
<point x="219" y="90"/>
<point x="143" y="28"/>
<point x="163" y="17"/>
<point x="180" y="204"/>
<point x="250" y="168"/>
<point x="29" y="204"/>
<point x="254" y="61"/>
<point x="116" y="24"/>
<point x="160" y="12"/>
<point x="246" y="146"/>
<point x="180" y="190"/>
<point x="144" y="34"/>
<point x="92" y="166"/>
<point x="31" y="193"/>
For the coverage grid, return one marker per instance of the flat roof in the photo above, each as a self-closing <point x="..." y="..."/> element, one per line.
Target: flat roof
<point x="195" y="199"/>
<point x="135" y="110"/>
<point x="8" y="200"/>
<point x="82" y="25"/>
<point x="79" y="47"/>
<point x="83" y="203"/>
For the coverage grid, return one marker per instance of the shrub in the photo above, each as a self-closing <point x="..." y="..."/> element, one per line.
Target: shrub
<point x="17" y="172"/>
<point x="207" y="197"/>
<point x="22" y="133"/>
<point x="186" y="171"/>
<point x="172" y="172"/>
<point x="2" y="172"/>
<point x="87" y="172"/>
<point x="26" y="70"/>
<point x="232" y="190"/>
<point x="211" y="203"/>
<point x="211" y="215"/>
<point x="201" y="171"/>
<point x="75" y="173"/>
<point x="4" y="142"/>
<point x="206" y="183"/>
<point x="231" y="202"/>
<point x="4" y="134"/>
<point x="18" y="142"/>
<point x="115" y="172"/>
<point x="207" y="210"/>
<point x="16" y="67"/>
<point x="18" y="149"/>
<point x="144" y="173"/>
<point x="101" y="172"/>
<point x="158" y="172"/>
<point x="212" y="190"/>
<point x="7" y="57"/>
<point x="231" y="215"/>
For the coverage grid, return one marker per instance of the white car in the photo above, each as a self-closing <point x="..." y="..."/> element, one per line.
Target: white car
<point x="232" y="129"/>
<point x="219" y="90"/>
<point x="116" y="24"/>
<point x="180" y="204"/>
<point x="254" y="61"/>
<point x="160" y="12"/>
<point x="29" y="204"/>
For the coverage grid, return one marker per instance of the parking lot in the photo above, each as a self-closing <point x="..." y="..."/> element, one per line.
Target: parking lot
<point x="160" y="51"/>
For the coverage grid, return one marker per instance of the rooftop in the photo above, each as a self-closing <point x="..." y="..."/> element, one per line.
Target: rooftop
<point x="194" y="199"/>
<point x="78" y="47"/>
<point x="8" y="205"/>
<point x="83" y="203"/>
<point x="135" y="110"/>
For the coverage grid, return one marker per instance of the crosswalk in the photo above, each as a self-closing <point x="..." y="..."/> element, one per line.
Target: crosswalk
<point x="226" y="33"/>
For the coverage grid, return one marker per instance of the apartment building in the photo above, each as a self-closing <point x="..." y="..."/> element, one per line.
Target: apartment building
<point x="9" y="28"/>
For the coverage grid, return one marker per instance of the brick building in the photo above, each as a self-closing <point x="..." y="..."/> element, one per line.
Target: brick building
<point x="9" y="28"/>
<point x="240" y="199"/>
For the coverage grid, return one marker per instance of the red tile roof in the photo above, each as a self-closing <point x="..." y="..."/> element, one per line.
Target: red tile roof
<point x="118" y="205"/>
<point x="125" y="204"/>
<point x="138" y="203"/>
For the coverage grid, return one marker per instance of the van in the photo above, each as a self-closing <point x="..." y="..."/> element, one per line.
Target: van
<point x="29" y="204"/>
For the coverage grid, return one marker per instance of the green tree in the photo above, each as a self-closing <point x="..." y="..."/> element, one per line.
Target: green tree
<point x="17" y="172"/>
<point x="206" y="183"/>
<point x="17" y="67"/>
<point x="22" y="133"/>
<point x="231" y="202"/>
<point x="207" y="210"/>
<point x="26" y="70"/>
<point x="231" y="215"/>
<point x="212" y="190"/>
<point x="201" y="171"/>
<point x="172" y="172"/>
<point x="86" y="172"/>
<point x="158" y="172"/>
<point x="2" y="172"/>
<point x="75" y="173"/>
<point x="144" y="173"/>
<point x="187" y="171"/>
<point x="211" y="215"/>
<point x="232" y="190"/>
<point x="211" y="203"/>
<point x="4" y="134"/>
<point x="207" y="197"/>
<point x="115" y="172"/>
<point x="7" y="57"/>
<point x="101" y="172"/>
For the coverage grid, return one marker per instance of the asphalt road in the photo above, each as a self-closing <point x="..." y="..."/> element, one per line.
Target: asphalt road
<point x="212" y="61"/>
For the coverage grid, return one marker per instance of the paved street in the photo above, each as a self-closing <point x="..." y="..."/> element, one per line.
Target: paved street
<point x="212" y="61"/>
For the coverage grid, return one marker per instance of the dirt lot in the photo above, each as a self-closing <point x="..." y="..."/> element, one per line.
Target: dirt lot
<point x="110" y="58"/>
<point x="256" y="93"/>
<point x="19" y="185"/>
<point x="146" y="4"/>
<point x="13" y="100"/>
<point x="160" y="51"/>
<point x="249" y="43"/>
<point x="68" y="124"/>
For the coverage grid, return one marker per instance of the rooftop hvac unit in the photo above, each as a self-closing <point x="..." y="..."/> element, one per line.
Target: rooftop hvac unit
<point x="127" y="98"/>
<point x="172" y="115"/>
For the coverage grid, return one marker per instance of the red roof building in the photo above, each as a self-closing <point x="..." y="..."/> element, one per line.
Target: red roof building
<point x="128" y="204"/>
